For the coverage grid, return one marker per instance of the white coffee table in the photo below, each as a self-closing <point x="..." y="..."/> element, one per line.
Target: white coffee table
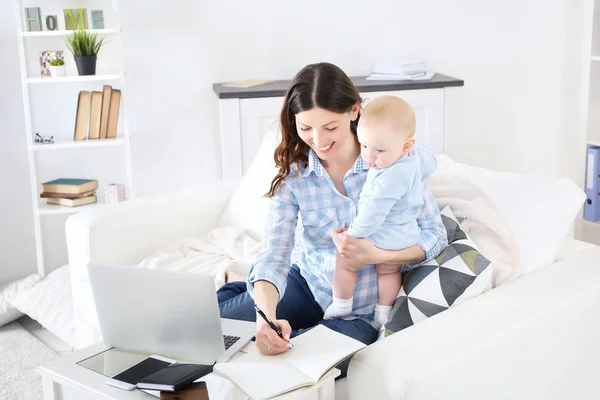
<point x="83" y="373"/>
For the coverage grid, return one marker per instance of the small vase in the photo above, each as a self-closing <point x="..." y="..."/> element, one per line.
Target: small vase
<point x="86" y="65"/>
<point x="57" y="71"/>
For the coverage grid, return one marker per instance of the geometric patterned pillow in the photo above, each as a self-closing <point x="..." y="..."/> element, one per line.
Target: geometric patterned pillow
<point x="459" y="273"/>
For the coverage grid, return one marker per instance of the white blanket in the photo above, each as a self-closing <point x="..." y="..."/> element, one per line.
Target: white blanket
<point x="479" y="216"/>
<point x="223" y="249"/>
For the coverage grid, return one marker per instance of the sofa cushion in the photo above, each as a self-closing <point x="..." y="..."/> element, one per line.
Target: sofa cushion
<point x="508" y="214"/>
<point x="459" y="273"/>
<point x="247" y="207"/>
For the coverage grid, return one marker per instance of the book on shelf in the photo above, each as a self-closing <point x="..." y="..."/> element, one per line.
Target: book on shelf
<point x="420" y="76"/>
<point x="83" y="112"/>
<point x="70" y="185"/>
<point x="106" y="93"/>
<point x="400" y="70"/>
<point x="73" y="202"/>
<point x="95" y="115"/>
<point x="315" y="352"/>
<point x="247" y="83"/>
<point x="52" y="195"/>
<point x="113" y="113"/>
<point x="398" y="67"/>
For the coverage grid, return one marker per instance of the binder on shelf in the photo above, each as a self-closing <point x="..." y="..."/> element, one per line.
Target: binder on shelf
<point x="591" y="210"/>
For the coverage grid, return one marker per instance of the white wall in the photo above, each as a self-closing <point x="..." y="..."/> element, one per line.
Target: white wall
<point x="17" y="244"/>
<point x="513" y="56"/>
<point x="520" y="61"/>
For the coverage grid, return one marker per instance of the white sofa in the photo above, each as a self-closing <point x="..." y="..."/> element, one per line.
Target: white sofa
<point x="533" y="338"/>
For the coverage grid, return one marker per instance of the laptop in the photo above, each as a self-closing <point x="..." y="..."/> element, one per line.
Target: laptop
<point x="170" y="313"/>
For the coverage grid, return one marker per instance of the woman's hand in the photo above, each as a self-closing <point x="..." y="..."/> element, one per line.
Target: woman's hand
<point x="365" y="252"/>
<point x="267" y="340"/>
<point x="361" y="250"/>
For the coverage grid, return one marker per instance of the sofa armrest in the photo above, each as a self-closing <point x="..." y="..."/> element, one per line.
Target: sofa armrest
<point x="508" y="343"/>
<point x="125" y="233"/>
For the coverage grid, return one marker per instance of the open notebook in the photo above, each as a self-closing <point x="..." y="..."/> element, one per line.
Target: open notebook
<point x="315" y="352"/>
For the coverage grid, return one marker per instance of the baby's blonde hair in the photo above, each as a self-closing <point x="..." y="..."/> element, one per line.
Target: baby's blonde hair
<point x="390" y="110"/>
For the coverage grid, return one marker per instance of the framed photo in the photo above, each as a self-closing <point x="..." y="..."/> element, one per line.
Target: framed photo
<point x="46" y="57"/>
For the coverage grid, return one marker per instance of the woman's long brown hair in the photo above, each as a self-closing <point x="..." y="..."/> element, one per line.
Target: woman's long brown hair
<point x="320" y="85"/>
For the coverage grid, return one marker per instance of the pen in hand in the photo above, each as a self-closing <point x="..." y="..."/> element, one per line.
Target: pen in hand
<point x="270" y="323"/>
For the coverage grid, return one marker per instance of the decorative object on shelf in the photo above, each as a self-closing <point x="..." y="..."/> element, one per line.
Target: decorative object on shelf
<point x="44" y="139"/>
<point x="46" y="57"/>
<point x="32" y="19"/>
<point x="52" y="23"/>
<point x="71" y="23"/>
<point x="97" y="19"/>
<point x="114" y="193"/>
<point x="57" y="68"/>
<point x="85" y="47"/>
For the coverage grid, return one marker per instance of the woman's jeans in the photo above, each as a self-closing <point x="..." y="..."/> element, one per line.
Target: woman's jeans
<point x="298" y="307"/>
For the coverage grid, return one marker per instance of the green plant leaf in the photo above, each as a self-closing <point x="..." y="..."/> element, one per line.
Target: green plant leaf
<point x="84" y="43"/>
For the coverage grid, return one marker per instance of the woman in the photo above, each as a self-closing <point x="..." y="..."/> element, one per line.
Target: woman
<point x="320" y="177"/>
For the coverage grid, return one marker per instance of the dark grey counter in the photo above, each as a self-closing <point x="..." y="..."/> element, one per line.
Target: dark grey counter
<point x="278" y="88"/>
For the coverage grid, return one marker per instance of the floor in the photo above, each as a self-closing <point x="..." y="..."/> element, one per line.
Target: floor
<point x="44" y="335"/>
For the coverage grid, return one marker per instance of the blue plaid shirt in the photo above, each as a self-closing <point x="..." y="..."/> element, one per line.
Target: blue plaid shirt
<point x="310" y="196"/>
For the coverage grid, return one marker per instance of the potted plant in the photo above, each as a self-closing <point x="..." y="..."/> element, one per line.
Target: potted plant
<point x="57" y="68"/>
<point x="85" y="46"/>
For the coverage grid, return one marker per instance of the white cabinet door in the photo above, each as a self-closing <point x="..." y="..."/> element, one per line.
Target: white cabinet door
<point x="429" y="110"/>
<point x="257" y="116"/>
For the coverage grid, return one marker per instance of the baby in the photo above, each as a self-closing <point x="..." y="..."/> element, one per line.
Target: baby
<point x="390" y="200"/>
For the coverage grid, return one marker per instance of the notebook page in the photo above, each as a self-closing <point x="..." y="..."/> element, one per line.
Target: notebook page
<point x="262" y="377"/>
<point x="318" y="350"/>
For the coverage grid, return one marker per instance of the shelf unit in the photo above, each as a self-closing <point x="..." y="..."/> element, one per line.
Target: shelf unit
<point x="589" y="123"/>
<point x="50" y="107"/>
<point x="66" y="33"/>
<point x="64" y="79"/>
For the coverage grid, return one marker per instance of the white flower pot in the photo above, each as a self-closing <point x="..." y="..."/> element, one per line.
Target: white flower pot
<point x="57" y="71"/>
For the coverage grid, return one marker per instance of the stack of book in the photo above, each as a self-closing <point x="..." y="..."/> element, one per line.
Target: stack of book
<point x="97" y="114"/>
<point x="401" y="70"/>
<point x="70" y="192"/>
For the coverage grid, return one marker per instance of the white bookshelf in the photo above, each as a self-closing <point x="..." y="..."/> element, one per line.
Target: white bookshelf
<point x="72" y="144"/>
<point x="66" y="33"/>
<point x="50" y="106"/>
<point x="65" y="79"/>
<point x="590" y="99"/>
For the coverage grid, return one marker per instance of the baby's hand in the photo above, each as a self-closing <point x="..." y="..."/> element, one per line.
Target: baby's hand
<point x="339" y="236"/>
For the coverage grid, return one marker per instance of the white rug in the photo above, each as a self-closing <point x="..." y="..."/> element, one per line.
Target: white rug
<point x="20" y="354"/>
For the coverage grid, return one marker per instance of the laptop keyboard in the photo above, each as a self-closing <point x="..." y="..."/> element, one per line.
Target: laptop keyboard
<point x="230" y="340"/>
